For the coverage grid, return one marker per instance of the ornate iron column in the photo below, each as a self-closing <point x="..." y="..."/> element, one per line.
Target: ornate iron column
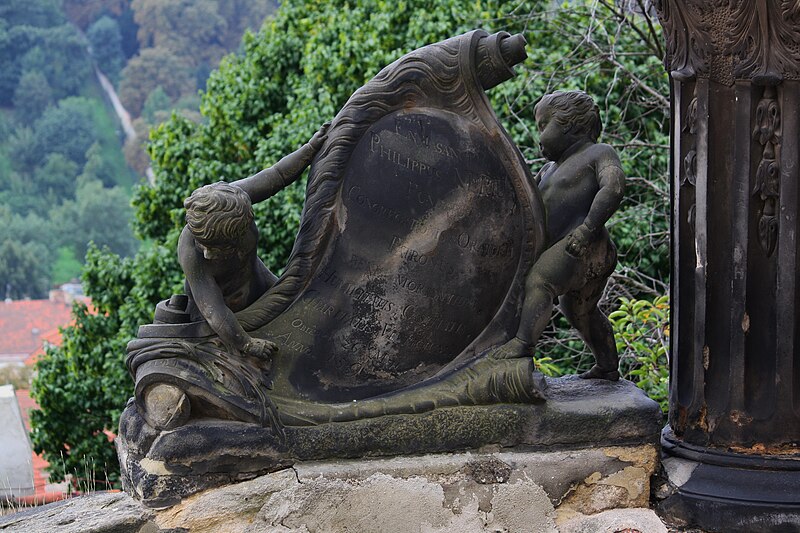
<point x="732" y="447"/>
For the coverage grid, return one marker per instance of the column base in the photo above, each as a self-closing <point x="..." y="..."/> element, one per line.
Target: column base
<point x="722" y="491"/>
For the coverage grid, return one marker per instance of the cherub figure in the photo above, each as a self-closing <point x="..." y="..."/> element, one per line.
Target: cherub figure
<point x="217" y="247"/>
<point x="582" y="185"/>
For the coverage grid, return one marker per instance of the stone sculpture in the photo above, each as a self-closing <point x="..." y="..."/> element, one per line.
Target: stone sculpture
<point x="581" y="186"/>
<point x="420" y="224"/>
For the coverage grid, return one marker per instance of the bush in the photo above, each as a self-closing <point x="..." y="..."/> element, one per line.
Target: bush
<point x="641" y="328"/>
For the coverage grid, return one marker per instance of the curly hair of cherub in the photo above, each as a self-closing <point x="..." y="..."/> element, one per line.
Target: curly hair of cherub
<point x="574" y="108"/>
<point x="219" y="212"/>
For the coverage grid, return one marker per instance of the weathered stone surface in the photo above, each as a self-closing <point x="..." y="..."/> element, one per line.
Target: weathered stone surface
<point x="420" y="219"/>
<point x="429" y="221"/>
<point x="632" y="483"/>
<point x="161" y="470"/>
<point x="432" y="493"/>
<point x="480" y="492"/>
<point x="98" y="513"/>
<point x="635" y="520"/>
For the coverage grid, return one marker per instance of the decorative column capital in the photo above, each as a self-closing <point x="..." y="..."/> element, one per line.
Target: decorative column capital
<point x="728" y="40"/>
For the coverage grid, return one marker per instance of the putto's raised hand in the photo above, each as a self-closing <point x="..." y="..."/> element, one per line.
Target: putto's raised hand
<point x="320" y="137"/>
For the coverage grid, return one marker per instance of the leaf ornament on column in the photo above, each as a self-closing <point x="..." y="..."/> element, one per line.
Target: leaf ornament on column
<point x="690" y="160"/>
<point x="688" y="45"/>
<point x="765" y="36"/>
<point x="767" y="133"/>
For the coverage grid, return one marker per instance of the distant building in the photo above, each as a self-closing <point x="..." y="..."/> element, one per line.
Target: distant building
<point x="16" y="466"/>
<point x="43" y="491"/>
<point x="25" y="325"/>
<point x="27" y="328"/>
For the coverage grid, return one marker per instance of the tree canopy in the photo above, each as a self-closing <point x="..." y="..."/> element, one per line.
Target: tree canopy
<point x="106" y="40"/>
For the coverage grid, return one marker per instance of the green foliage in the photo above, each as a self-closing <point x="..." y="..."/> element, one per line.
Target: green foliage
<point x="107" y="131"/>
<point x="106" y="46"/>
<point x="23" y="273"/>
<point x="42" y="43"/>
<point x="128" y="30"/>
<point x="66" y="129"/>
<point x="77" y="386"/>
<point x="27" y="228"/>
<point x="39" y="13"/>
<point x="22" y="149"/>
<point x="59" y="53"/>
<point x="199" y="31"/>
<point x="641" y="328"/>
<point x="83" y="13"/>
<point x="50" y="138"/>
<point x="56" y="178"/>
<point x="26" y="244"/>
<point x="66" y="267"/>
<point x="94" y="203"/>
<point x="31" y="97"/>
<point x="181" y="41"/>
<point x="153" y="67"/>
<point x="76" y="134"/>
<point x="157" y="101"/>
<point x="560" y="351"/>
<point x="82" y="385"/>
<point x="98" y="168"/>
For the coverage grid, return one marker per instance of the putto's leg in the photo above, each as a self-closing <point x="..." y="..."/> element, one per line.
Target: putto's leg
<point x="580" y="309"/>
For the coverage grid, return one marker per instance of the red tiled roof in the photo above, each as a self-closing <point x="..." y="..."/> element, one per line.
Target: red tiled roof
<point x="24" y="324"/>
<point x="52" y="337"/>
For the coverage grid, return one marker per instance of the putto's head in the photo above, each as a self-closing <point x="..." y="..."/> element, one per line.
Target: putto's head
<point x="574" y="111"/>
<point x="218" y="215"/>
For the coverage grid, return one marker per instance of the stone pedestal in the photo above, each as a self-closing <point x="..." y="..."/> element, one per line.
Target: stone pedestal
<point x="470" y="492"/>
<point x="605" y="488"/>
<point x="162" y="469"/>
<point x="734" y="424"/>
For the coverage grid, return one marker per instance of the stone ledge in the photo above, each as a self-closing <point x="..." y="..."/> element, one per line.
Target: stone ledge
<point x="571" y="491"/>
<point x="467" y="492"/>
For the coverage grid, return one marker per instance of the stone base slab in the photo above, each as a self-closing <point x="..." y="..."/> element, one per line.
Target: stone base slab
<point x="561" y="491"/>
<point x="603" y="489"/>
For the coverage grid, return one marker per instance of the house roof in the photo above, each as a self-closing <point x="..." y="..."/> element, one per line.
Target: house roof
<point x="52" y="338"/>
<point x="25" y="324"/>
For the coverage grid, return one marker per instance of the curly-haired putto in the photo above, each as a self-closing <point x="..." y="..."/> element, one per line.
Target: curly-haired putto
<point x="218" y="213"/>
<point x="574" y="107"/>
